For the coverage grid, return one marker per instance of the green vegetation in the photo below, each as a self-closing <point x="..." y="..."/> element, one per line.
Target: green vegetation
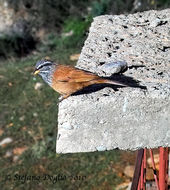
<point x="79" y="29"/>
<point x="29" y="117"/>
<point x="72" y="36"/>
<point x="60" y="19"/>
<point x="100" y="7"/>
<point x="15" y="45"/>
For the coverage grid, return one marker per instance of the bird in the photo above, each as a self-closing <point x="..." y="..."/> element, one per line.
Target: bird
<point x="66" y="79"/>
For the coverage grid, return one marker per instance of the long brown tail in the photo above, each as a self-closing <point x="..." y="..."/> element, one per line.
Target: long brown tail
<point x="107" y="81"/>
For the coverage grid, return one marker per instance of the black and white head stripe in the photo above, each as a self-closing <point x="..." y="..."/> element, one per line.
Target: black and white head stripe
<point x="43" y="63"/>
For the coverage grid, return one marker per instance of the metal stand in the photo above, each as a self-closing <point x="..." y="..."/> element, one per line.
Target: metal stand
<point x="139" y="177"/>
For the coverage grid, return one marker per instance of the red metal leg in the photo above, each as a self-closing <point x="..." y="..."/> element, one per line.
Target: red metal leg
<point x="163" y="168"/>
<point x="139" y="178"/>
<point x="144" y="167"/>
<point x="136" y="175"/>
<point x="141" y="175"/>
<point x="139" y="184"/>
<point x="167" y="169"/>
<point x="154" y="170"/>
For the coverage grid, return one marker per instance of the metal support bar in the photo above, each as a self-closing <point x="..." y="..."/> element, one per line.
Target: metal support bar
<point x="139" y="177"/>
<point x="167" y="166"/>
<point x="154" y="169"/>
<point x="144" y="166"/>
<point x="138" y="164"/>
<point x="163" y="168"/>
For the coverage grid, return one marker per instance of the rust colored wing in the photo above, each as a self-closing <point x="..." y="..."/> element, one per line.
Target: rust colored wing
<point x="70" y="74"/>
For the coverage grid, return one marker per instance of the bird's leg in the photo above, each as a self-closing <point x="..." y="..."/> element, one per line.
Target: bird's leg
<point x="61" y="98"/>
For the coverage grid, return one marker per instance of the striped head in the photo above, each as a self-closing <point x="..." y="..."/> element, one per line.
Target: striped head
<point x="45" y="68"/>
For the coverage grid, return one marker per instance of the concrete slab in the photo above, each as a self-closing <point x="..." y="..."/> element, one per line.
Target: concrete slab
<point x="130" y="118"/>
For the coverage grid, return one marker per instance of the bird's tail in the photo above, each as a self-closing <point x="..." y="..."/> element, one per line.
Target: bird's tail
<point x="107" y="81"/>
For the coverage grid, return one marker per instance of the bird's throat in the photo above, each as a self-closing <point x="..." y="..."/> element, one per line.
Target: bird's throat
<point x="47" y="76"/>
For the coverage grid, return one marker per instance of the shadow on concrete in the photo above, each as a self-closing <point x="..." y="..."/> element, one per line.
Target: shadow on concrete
<point x="136" y="66"/>
<point x="128" y="81"/>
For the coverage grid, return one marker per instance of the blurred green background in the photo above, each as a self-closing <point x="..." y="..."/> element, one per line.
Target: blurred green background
<point x="30" y="30"/>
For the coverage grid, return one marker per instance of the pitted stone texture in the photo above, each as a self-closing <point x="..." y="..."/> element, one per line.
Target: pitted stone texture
<point x="130" y="118"/>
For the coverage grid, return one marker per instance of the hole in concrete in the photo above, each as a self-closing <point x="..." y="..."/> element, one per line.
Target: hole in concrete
<point x="122" y="39"/>
<point x="162" y="23"/>
<point x="136" y="66"/>
<point x="105" y="94"/>
<point x="92" y="50"/>
<point x="156" y="88"/>
<point x="109" y="54"/>
<point x="160" y="73"/>
<point x="124" y="26"/>
<point x="110" y="20"/>
<point x="165" y="48"/>
<point x="101" y="62"/>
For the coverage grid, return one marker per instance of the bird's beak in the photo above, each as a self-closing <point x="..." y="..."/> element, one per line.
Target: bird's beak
<point x="36" y="72"/>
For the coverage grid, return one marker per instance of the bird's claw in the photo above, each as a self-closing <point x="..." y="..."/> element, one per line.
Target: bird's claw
<point x="60" y="99"/>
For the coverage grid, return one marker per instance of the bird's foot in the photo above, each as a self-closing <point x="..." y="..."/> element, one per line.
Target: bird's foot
<point x="61" y="98"/>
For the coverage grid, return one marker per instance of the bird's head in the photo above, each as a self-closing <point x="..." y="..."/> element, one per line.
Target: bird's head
<point x="45" y="69"/>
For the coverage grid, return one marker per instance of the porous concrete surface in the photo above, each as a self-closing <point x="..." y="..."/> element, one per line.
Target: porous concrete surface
<point x="130" y="118"/>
